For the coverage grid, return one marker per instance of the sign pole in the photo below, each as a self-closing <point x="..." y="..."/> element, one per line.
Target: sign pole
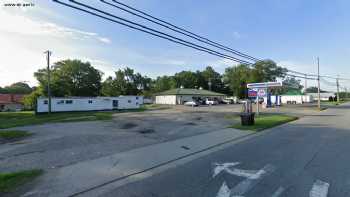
<point x="257" y="105"/>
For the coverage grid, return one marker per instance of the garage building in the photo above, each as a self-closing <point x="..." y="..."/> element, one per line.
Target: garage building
<point x="179" y="96"/>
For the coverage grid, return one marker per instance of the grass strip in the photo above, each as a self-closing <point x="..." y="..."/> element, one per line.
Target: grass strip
<point x="266" y="121"/>
<point x="10" y="181"/>
<point x="16" y="119"/>
<point x="14" y="134"/>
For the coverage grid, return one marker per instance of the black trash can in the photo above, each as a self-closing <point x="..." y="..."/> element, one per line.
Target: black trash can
<point x="247" y="119"/>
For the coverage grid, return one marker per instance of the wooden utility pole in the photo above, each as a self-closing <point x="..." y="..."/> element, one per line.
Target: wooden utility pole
<point x="319" y="85"/>
<point x="48" y="53"/>
<point x="305" y="88"/>
<point x="338" y="95"/>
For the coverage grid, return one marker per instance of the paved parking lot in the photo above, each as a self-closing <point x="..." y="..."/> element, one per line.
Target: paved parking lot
<point x="61" y="144"/>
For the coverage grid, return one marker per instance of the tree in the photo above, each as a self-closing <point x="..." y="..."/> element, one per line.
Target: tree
<point x="17" y="88"/>
<point x="30" y="101"/>
<point x="186" y="79"/>
<point x="236" y="78"/>
<point x="126" y="82"/>
<point x="71" y="78"/>
<point x="164" y="83"/>
<point x="289" y="84"/>
<point x="313" y="90"/>
<point x="267" y="70"/>
<point x="210" y="75"/>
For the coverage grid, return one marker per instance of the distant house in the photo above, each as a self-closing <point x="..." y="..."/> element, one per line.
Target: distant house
<point x="179" y="96"/>
<point x="11" y="102"/>
<point x="67" y="104"/>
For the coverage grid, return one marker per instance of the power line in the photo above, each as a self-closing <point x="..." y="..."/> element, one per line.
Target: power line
<point x="149" y="30"/>
<point x="175" y="28"/>
<point x="302" y="77"/>
<point x="174" y="39"/>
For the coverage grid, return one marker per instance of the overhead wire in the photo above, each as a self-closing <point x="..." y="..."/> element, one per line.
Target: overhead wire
<point x="148" y="30"/>
<point x="157" y="33"/>
<point x="181" y="30"/>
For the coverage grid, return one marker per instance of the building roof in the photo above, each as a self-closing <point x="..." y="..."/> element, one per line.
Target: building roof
<point x="183" y="91"/>
<point x="11" y="98"/>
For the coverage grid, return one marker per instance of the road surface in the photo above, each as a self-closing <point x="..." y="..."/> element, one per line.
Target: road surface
<point x="309" y="157"/>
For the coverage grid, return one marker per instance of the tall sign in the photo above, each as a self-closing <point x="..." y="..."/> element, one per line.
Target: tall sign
<point x="262" y="90"/>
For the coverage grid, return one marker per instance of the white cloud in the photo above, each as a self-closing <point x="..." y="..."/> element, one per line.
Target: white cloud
<point x="18" y="23"/>
<point x="222" y="63"/>
<point x="24" y="39"/>
<point x="236" y="35"/>
<point x="104" y="40"/>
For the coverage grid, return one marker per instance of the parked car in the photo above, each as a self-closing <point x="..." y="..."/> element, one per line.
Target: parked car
<point x="210" y="101"/>
<point x="228" y="101"/>
<point x="191" y="103"/>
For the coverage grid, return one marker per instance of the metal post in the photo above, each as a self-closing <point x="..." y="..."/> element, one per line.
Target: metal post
<point x="338" y="96"/>
<point x="319" y="85"/>
<point x="48" y="79"/>
<point x="257" y="104"/>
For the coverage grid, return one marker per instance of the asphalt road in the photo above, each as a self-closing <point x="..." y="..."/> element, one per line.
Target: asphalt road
<point x="309" y="157"/>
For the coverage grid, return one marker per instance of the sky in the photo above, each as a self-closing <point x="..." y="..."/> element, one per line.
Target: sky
<point x="290" y="32"/>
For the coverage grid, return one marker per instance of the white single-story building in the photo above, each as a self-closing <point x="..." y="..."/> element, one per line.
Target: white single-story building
<point x="324" y="95"/>
<point x="290" y="99"/>
<point x="65" y="104"/>
<point x="179" y="96"/>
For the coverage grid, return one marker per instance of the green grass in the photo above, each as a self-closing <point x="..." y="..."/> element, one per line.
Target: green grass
<point x="333" y="103"/>
<point x="13" y="134"/>
<point x="265" y="121"/>
<point x="15" y="119"/>
<point x="155" y="107"/>
<point x="10" y="181"/>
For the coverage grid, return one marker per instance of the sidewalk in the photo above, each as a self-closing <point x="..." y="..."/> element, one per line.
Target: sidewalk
<point x="91" y="175"/>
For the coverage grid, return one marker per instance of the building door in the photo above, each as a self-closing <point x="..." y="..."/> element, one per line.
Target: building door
<point x="2" y="107"/>
<point x="115" y="104"/>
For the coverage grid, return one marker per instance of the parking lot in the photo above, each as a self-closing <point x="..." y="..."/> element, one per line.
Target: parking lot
<point x="59" y="144"/>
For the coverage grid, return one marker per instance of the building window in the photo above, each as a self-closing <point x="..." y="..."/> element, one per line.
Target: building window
<point x="69" y="101"/>
<point x="137" y="103"/>
<point x="90" y="101"/>
<point x="129" y="101"/>
<point x="46" y="102"/>
<point x="137" y="98"/>
<point x="60" y="102"/>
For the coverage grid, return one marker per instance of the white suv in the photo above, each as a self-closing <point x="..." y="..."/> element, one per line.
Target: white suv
<point x="210" y="101"/>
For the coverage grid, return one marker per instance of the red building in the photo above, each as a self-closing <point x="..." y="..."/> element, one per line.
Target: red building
<point x="11" y="102"/>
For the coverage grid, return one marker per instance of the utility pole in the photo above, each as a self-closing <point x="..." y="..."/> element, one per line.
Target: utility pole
<point x="305" y="83"/>
<point x="318" y="81"/>
<point x="338" y="95"/>
<point x="209" y="84"/>
<point x="48" y="53"/>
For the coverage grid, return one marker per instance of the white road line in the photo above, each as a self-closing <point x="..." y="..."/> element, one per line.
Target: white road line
<point x="278" y="192"/>
<point x="249" y="174"/>
<point x="319" y="189"/>
<point x="220" y="167"/>
<point x="246" y="185"/>
<point x="224" y="191"/>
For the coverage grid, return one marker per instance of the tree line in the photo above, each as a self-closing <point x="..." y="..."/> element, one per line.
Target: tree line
<point x="77" y="78"/>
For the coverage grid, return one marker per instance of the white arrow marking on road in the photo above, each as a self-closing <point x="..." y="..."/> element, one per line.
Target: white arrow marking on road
<point x="220" y="167"/>
<point x="246" y="185"/>
<point x="250" y="174"/>
<point x="278" y="192"/>
<point x="319" y="189"/>
<point x="224" y="191"/>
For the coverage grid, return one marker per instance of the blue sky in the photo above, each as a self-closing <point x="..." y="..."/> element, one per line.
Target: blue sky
<point x="291" y="32"/>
